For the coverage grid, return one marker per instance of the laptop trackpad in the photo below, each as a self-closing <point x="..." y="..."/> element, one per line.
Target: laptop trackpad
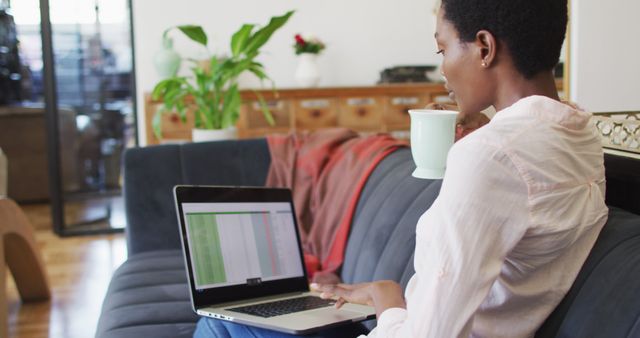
<point x="331" y="314"/>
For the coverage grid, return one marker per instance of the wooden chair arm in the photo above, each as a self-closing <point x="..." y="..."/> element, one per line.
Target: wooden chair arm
<point x="19" y="250"/>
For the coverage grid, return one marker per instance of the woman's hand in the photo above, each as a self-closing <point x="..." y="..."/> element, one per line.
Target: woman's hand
<point x="322" y="277"/>
<point x="381" y="295"/>
<point x="465" y="122"/>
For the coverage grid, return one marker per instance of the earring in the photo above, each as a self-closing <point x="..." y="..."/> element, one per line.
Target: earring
<point x="484" y="64"/>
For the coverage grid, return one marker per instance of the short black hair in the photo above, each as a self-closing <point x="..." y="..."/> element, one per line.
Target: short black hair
<point x="533" y="30"/>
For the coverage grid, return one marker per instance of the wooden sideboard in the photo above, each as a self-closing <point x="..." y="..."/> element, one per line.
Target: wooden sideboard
<point x="382" y="108"/>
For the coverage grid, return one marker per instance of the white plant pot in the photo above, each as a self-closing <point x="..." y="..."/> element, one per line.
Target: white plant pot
<point x="205" y="135"/>
<point x="307" y="73"/>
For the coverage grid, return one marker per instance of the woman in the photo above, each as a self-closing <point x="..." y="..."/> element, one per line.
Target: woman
<point x="522" y="201"/>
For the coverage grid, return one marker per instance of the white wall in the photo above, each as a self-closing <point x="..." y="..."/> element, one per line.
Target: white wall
<point x="362" y="36"/>
<point x="365" y="36"/>
<point x="605" y="54"/>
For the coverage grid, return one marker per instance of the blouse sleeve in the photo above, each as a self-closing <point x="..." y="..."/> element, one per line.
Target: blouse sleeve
<point x="461" y="243"/>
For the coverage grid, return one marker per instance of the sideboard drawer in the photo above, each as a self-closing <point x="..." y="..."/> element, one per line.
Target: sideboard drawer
<point x="255" y="116"/>
<point x="315" y="113"/>
<point x="396" y="113"/>
<point x="361" y="113"/>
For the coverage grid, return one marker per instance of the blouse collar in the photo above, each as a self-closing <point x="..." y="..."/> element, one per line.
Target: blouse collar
<point x="565" y="114"/>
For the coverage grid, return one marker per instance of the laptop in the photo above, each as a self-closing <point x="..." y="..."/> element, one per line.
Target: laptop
<point x="245" y="264"/>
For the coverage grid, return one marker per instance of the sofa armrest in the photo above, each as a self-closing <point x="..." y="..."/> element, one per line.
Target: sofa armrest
<point x="151" y="172"/>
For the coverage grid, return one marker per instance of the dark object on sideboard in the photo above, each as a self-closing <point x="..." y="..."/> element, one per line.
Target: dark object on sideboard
<point x="403" y="74"/>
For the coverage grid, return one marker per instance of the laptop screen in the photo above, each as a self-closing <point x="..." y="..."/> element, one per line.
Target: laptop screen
<point x="241" y="243"/>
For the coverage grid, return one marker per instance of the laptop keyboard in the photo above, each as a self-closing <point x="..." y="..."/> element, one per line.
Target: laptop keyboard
<point x="283" y="307"/>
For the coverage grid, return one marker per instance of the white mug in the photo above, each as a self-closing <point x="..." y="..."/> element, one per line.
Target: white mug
<point x="432" y="135"/>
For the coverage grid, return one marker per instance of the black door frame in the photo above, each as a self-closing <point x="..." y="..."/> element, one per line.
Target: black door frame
<point x="53" y="128"/>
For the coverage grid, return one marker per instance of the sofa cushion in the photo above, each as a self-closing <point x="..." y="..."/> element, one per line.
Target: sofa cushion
<point x="382" y="238"/>
<point x="148" y="293"/>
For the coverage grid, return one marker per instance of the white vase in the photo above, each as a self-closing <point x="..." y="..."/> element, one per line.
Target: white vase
<point x="307" y="73"/>
<point x="205" y="135"/>
<point x="167" y="60"/>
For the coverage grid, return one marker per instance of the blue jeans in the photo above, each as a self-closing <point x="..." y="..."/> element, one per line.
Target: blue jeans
<point x="210" y="328"/>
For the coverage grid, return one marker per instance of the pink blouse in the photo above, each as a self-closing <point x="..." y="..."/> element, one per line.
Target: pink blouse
<point x="521" y="205"/>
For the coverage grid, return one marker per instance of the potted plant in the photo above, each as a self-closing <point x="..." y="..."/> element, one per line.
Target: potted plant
<point x="213" y="84"/>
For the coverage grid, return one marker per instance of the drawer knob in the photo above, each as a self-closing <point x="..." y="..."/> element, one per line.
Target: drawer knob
<point x="174" y="118"/>
<point x="361" y="112"/>
<point x="316" y="113"/>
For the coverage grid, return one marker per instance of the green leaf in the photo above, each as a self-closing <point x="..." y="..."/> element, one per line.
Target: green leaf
<point x="258" y="71"/>
<point x="167" y="85"/>
<point x="195" y="33"/>
<point x="239" y="39"/>
<point x="161" y="88"/>
<point x="265" y="109"/>
<point x="214" y="64"/>
<point x="181" y="106"/>
<point x="197" y="118"/>
<point x="202" y="78"/>
<point x="156" y="123"/>
<point x="223" y="72"/>
<point x="173" y="93"/>
<point x="202" y="115"/>
<point x="260" y="37"/>
<point x="231" y="107"/>
<point x="240" y="67"/>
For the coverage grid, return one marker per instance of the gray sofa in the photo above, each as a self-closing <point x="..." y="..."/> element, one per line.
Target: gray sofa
<point x="148" y="294"/>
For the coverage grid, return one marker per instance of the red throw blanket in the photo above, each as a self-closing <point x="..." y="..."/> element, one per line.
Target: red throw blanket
<point x="326" y="170"/>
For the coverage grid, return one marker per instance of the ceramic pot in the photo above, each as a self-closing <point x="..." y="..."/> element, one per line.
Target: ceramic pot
<point x="167" y="61"/>
<point x="205" y="135"/>
<point x="307" y="73"/>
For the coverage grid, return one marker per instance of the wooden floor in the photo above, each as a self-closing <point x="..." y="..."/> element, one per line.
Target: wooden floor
<point x="79" y="270"/>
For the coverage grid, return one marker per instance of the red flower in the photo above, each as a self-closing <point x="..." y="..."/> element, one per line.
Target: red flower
<point x="307" y="44"/>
